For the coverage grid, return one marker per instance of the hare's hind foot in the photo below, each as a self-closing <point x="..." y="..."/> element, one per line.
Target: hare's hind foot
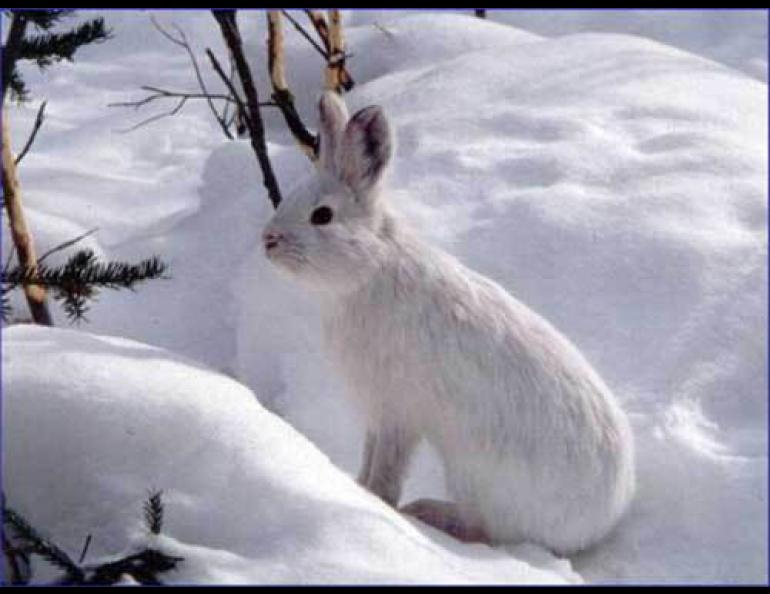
<point x="445" y="516"/>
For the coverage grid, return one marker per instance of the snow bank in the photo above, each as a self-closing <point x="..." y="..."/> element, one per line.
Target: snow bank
<point x="90" y="423"/>
<point x="615" y="184"/>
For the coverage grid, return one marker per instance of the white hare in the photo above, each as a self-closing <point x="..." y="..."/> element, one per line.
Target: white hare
<point x="535" y="447"/>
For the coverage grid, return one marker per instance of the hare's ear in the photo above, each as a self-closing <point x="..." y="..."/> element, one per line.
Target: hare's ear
<point x="365" y="150"/>
<point x="332" y="118"/>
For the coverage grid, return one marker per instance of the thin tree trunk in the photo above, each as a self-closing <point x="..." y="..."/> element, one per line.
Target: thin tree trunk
<point x="22" y="239"/>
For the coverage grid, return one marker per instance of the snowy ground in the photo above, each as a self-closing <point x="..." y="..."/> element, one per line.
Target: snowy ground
<point x="616" y="183"/>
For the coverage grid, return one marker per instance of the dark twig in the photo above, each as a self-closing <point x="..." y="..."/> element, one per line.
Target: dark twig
<point x="157" y="117"/>
<point x="319" y="23"/>
<point x="36" y="126"/>
<point x="229" y="26"/>
<point x="306" y="35"/>
<point x="158" y="93"/>
<point x="66" y="244"/>
<point x="85" y="549"/>
<point x="228" y="82"/>
<point x="182" y="42"/>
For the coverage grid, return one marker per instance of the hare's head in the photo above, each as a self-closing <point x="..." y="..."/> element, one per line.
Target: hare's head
<point x="331" y="230"/>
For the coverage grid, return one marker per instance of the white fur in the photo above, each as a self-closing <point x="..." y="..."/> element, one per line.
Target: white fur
<point x="534" y="444"/>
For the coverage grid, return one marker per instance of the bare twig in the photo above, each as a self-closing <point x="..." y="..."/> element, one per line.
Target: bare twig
<point x="157" y="117"/>
<point x="158" y="93"/>
<point x="307" y="141"/>
<point x="229" y="27"/>
<point x="319" y="23"/>
<point x="182" y="41"/>
<point x="66" y="244"/>
<point x="35" y="127"/>
<point x="228" y="83"/>
<point x="384" y="30"/>
<point x="85" y="549"/>
<point x="306" y="35"/>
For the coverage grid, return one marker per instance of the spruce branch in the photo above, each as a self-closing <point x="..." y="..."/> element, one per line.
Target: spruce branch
<point x="13" y="40"/>
<point x="144" y="566"/>
<point x="45" y="19"/>
<point x="35" y="543"/>
<point x="47" y="48"/>
<point x="153" y="512"/>
<point x="77" y="282"/>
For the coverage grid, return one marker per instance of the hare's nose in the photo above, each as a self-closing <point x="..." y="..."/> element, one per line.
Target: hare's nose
<point x="271" y="239"/>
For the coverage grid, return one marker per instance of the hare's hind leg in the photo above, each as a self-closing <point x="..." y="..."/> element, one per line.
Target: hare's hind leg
<point x="445" y="516"/>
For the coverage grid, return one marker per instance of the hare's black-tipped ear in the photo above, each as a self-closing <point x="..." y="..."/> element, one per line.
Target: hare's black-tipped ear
<point x="332" y="119"/>
<point x="365" y="150"/>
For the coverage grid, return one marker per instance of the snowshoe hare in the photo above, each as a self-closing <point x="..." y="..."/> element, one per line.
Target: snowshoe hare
<point x="535" y="446"/>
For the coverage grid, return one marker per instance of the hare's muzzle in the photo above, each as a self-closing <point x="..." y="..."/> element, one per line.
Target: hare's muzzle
<point x="271" y="239"/>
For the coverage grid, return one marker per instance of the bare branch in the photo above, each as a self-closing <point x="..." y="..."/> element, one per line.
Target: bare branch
<point x="228" y="83"/>
<point x="307" y="141"/>
<point x="36" y="126"/>
<point x="157" y="117"/>
<point x="306" y="35"/>
<point x="157" y="93"/>
<point x="319" y="22"/>
<point x="229" y="27"/>
<point x="182" y="42"/>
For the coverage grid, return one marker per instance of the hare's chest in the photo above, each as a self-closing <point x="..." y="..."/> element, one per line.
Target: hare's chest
<point x="375" y="349"/>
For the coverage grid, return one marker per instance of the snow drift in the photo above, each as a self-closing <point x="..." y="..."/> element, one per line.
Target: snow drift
<point x="91" y="423"/>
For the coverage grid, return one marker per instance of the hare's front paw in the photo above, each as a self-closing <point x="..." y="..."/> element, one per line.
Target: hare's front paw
<point x="445" y="516"/>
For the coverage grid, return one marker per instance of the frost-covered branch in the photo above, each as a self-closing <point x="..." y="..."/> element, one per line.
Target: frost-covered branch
<point x="144" y="566"/>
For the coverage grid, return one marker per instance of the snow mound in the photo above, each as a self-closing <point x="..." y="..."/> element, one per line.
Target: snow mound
<point x="618" y="186"/>
<point x="90" y="423"/>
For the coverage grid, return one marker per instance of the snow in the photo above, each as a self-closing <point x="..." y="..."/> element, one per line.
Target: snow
<point x="248" y="499"/>
<point x="616" y="183"/>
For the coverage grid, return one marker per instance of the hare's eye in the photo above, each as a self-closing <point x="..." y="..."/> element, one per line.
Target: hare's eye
<point x="321" y="215"/>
